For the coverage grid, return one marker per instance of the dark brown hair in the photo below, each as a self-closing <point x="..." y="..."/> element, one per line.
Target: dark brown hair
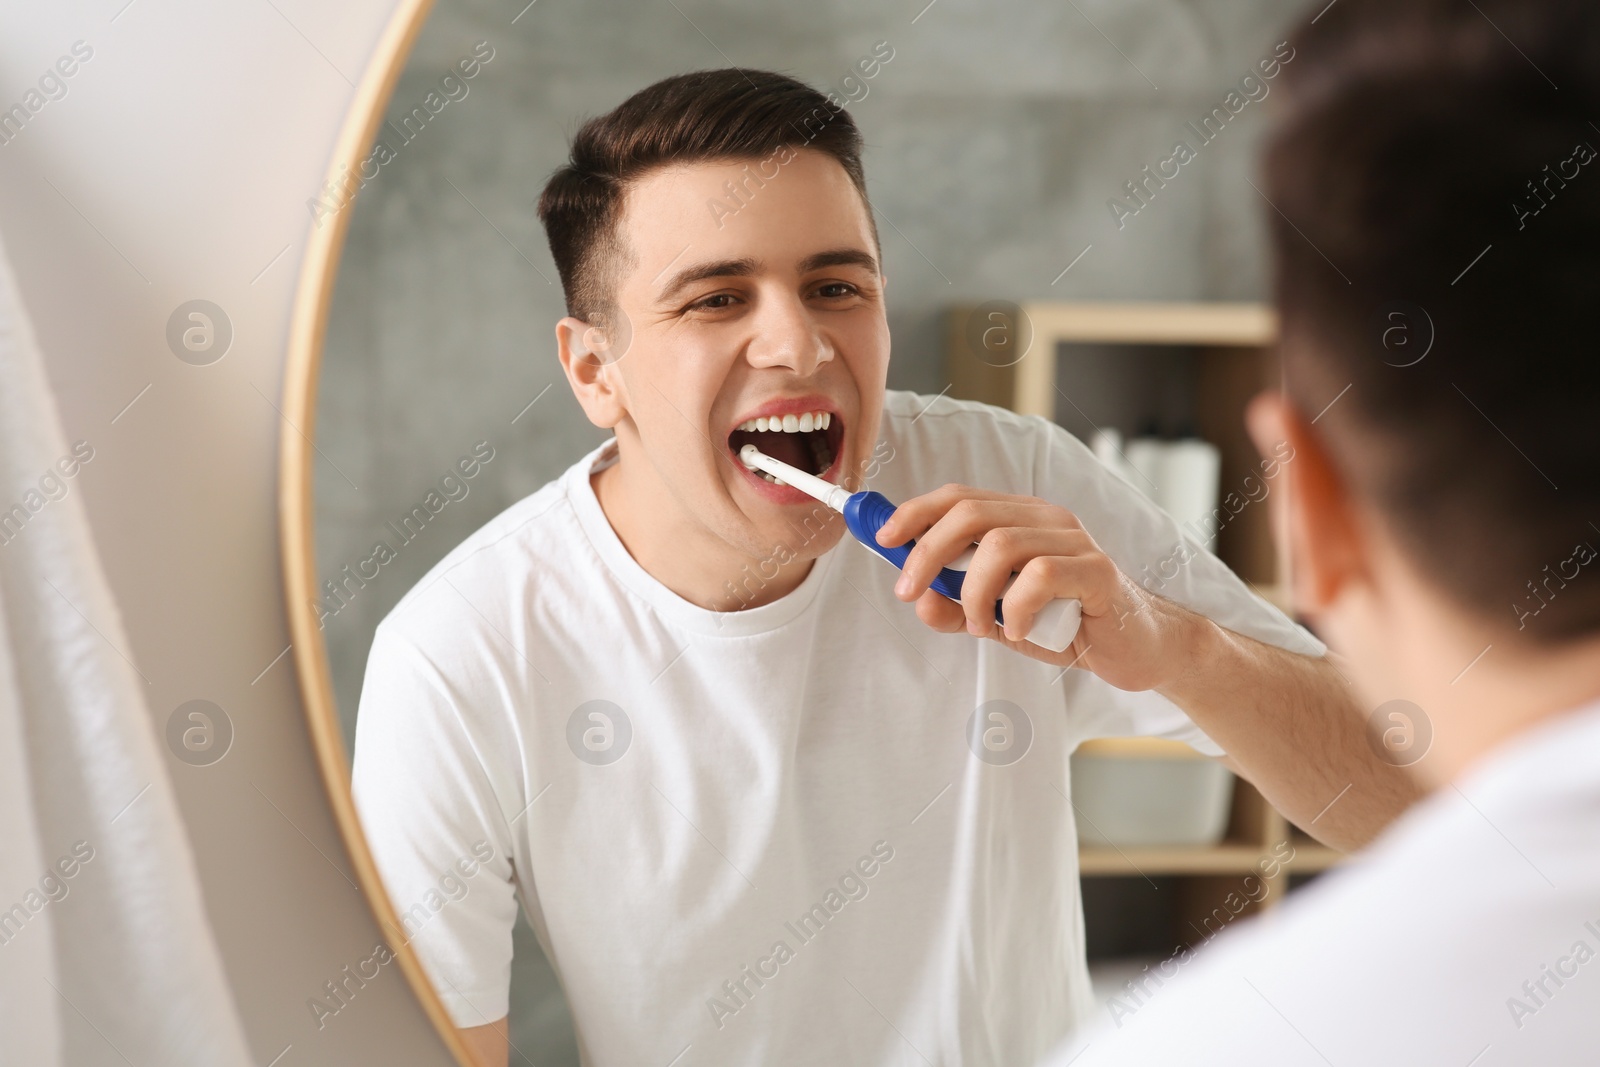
<point x="704" y="116"/>
<point x="1433" y="186"/>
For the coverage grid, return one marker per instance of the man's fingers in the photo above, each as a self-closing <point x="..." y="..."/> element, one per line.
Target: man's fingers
<point x="966" y="521"/>
<point x="1022" y="550"/>
<point x="970" y="520"/>
<point x="1090" y="577"/>
<point x="1043" y="579"/>
<point x="912" y="518"/>
<point x="941" y="613"/>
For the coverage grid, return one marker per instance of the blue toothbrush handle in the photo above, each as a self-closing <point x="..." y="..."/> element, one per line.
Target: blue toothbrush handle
<point x="1054" y="626"/>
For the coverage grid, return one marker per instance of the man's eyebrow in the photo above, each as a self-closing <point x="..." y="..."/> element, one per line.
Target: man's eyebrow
<point x="744" y="268"/>
<point x="722" y="268"/>
<point x="839" y="257"/>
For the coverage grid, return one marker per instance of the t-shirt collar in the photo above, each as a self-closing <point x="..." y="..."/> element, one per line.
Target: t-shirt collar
<point x="668" y="604"/>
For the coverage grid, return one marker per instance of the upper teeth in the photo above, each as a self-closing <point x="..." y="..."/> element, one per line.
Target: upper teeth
<point x="811" y="420"/>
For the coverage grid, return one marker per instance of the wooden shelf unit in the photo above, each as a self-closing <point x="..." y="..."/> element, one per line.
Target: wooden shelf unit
<point x="1234" y="344"/>
<point x="1252" y="843"/>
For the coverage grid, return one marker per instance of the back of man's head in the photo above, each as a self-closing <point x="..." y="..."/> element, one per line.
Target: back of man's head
<point x="1437" y="245"/>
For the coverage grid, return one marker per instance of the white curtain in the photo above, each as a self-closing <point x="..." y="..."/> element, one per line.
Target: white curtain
<point x="106" y="956"/>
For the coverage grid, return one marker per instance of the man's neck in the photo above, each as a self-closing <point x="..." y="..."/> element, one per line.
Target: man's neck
<point x="682" y="554"/>
<point x="1510" y="690"/>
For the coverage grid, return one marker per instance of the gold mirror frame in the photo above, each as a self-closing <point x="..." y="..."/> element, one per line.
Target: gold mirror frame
<point x="308" y="327"/>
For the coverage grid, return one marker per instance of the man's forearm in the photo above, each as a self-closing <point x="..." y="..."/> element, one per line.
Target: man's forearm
<point x="489" y="1044"/>
<point x="1292" y="726"/>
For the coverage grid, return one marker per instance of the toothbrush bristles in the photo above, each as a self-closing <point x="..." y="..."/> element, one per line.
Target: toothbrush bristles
<point x="747" y="455"/>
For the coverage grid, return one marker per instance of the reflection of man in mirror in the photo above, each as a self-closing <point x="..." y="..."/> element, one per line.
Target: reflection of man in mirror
<point x="789" y="846"/>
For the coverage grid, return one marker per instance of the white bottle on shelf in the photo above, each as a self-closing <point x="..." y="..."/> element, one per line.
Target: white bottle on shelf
<point x="1181" y="476"/>
<point x="1190" y="470"/>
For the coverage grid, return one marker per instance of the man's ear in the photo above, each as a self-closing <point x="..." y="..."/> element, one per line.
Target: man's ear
<point x="1320" y="541"/>
<point x="591" y="371"/>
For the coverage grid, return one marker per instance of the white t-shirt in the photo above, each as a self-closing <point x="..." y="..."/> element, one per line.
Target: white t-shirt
<point x="770" y="841"/>
<point x="1469" y="933"/>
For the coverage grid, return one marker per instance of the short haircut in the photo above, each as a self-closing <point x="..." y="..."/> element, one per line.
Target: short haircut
<point x="1430" y="183"/>
<point x="701" y="117"/>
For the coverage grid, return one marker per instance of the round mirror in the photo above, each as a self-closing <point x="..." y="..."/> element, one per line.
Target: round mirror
<point x="556" y="811"/>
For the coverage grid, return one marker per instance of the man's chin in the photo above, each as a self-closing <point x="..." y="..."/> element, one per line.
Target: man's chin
<point x="803" y="534"/>
<point x="776" y="550"/>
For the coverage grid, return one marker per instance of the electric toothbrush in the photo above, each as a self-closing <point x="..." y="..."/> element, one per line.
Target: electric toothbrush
<point x="864" y="513"/>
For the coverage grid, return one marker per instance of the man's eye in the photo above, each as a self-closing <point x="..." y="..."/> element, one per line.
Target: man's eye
<point x="714" y="302"/>
<point x="834" y="290"/>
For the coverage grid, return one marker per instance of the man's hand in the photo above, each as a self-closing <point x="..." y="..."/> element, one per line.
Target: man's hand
<point x="1131" y="639"/>
<point x="1289" y="722"/>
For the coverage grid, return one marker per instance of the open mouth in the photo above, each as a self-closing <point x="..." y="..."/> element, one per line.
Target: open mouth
<point x="810" y="441"/>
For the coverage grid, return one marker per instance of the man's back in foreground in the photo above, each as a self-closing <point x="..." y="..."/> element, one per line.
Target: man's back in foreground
<point x="1437" y="236"/>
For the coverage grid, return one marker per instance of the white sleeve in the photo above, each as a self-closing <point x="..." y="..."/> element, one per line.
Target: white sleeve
<point x="438" y="834"/>
<point x="1149" y="547"/>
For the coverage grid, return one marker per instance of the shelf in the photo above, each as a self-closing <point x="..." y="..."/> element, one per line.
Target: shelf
<point x="1308" y="859"/>
<point x="1150" y="323"/>
<point x="1254" y="842"/>
<point x="1156" y="862"/>
<point x="1226" y="858"/>
<point x="1137" y="748"/>
<point x="1233" y="346"/>
<point x="1027" y="384"/>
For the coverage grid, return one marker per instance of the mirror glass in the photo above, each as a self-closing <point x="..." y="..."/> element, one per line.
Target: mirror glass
<point x="1002" y="147"/>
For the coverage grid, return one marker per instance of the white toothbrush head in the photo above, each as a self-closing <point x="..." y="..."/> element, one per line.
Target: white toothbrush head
<point x="832" y="495"/>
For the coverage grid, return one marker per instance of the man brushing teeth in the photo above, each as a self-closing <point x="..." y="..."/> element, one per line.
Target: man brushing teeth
<point x="738" y="782"/>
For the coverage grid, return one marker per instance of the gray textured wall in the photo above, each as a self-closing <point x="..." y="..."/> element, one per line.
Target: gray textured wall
<point x="996" y="135"/>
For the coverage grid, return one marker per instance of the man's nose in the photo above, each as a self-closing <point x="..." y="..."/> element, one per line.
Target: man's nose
<point x="787" y="336"/>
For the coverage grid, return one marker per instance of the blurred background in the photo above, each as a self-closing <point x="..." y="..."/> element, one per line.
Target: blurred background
<point x="995" y="142"/>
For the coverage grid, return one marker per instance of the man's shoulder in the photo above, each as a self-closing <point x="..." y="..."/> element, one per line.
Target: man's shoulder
<point x="905" y="411"/>
<point x="941" y="439"/>
<point x="531" y="540"/>
<point x="1440" y="911"/>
